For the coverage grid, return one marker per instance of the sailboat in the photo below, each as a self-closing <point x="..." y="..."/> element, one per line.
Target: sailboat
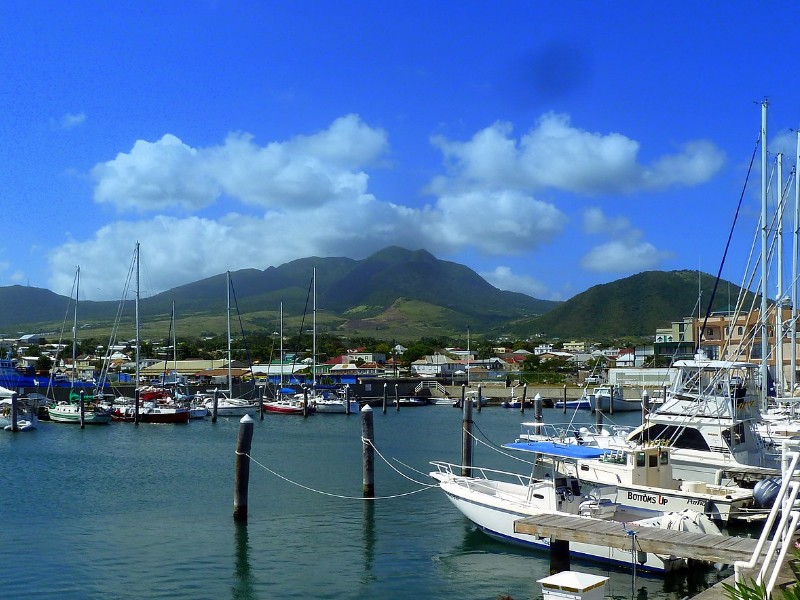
<point x="227" y="405"/>
<point x="71" y="411"/>
<point x="157" y="404"/>
<point x="286" y="401"/>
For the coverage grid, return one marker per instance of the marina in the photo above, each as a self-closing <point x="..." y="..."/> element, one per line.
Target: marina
<point x="152" y="516"/>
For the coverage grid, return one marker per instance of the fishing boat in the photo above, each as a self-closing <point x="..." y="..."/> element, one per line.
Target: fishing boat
<point x="639" y="476"/>
<point x="610" y="398"/>
<point x="494" y="500"/>
<point x="708" y="419"/>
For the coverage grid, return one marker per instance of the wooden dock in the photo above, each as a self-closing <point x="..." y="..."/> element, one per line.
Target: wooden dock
<point x="699" y="546"/>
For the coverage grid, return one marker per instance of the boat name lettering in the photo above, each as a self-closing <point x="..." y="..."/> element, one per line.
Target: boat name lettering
<point x="641" y="497"/>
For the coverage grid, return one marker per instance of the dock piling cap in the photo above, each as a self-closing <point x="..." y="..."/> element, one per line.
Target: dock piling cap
<point x="573" y="581"/>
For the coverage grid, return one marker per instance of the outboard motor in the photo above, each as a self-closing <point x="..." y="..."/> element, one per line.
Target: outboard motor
<point x="765" y="492"/>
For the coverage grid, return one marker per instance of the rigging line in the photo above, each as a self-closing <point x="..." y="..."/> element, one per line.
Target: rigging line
<point x="383" y="458"/>
<point x="728" y="243"/>
<point x="244" y="337"/>
<point x="499" y="450"/>
<point x="340" y="496"/>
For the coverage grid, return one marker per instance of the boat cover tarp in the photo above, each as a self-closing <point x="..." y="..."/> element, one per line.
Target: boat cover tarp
<point x="554" y="449"/>
<point x="286" y="390"/>
<point x="5" y="392"/>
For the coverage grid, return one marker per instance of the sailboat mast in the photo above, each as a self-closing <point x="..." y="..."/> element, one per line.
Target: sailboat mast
<point x="230" y="380"/>
<point x="281" y="333"/>
<point x="764" y="327"/>
<point x="314" y="332"/>
<point x="174" y="344"/>
<point x="137" y="314"/>
<point x="75" y="322"/>
<point x="796" y="250"/>
<point x="779" y="387"/>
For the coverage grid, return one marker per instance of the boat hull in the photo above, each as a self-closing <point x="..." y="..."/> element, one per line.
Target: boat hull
<point x="71" y="414"/>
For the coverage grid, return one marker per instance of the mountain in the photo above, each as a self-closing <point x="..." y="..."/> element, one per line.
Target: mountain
<point x="393" y="293"/>
<point x="634" y="306"/>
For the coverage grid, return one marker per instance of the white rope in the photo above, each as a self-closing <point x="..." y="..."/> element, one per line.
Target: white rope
<point x="370" y="443"/>
<point x="323" y="493"/>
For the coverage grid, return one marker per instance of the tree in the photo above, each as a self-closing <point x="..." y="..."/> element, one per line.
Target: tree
<point x="44" y="363"/>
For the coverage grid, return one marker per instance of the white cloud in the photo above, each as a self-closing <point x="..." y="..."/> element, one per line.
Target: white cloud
<point x="70" y="120"/>
<point x="623" y="256"/>
<point x="625" y="253"/>
<point x="305" y="171"/>
<point x="554" y="154"/>
<point x="503" y="278"/>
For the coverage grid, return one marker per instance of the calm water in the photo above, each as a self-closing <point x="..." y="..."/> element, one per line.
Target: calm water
<point x="124" y="511"/>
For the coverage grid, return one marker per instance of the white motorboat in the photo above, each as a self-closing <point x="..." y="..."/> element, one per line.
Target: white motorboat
<point x="639" y="476"/>
<point x="709" y="419"/>
<point x="494" y="500"/>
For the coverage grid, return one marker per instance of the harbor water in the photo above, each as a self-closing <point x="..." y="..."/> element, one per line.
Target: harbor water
<point x="127" y="511"/>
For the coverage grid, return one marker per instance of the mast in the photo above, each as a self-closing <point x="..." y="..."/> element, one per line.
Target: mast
<point x="230" y="379"/>
<point x="469" y="357"/>
<point x="137" y="314"/>
<point x="795" y="251"/>
<point x="174" y="345"/>
<point x="779" y="387"/>
<point x="281" y="332"/>
<point x="764" y="328"/>
<point x="75" y="323"/>
<point x="314" y="332"/>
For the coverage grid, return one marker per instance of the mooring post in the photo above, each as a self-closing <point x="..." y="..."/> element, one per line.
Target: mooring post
<point x="385" y="392"/>
<point x="347" y="399"/>
<point x="214" y="403"/>
<point x="611" y="400"/>
<point x="599" y="420"/>
<point x="480" y="397"/>
<point x="463" y="396"/>
<point x="559" y="556"/>
<point x="367" y="452"/>
<point x="136" y="406"/>
<point x="565" y="399"/>
<point x="537" y="408"/>
<point x="14" y="411"/>
<point x="242" y="476"/>
<point x="524" y="395"/>
<point x="396" y="398"/>
<point x="261" y="402"/>
<point x="645" y="405"/>
<point x="305" y="401"/>
<point x="82" y="413"/>
<point x="466" y="439"/>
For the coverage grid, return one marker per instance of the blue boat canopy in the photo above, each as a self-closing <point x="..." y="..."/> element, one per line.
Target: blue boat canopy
<point x="287" y="390"/>
<point x="560" y="450"/>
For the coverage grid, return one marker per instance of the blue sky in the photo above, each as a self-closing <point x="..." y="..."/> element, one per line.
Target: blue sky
<point x="549" y="146"/>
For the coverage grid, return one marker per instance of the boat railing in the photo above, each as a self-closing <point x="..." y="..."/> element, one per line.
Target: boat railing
<point x="480" y="475"/>
<point x="783" y="536"/>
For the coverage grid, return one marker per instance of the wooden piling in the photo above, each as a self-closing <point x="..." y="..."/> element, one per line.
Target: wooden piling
<point x="599" y="419"/>
<point x="242" y="477"/>
<point x="559" y="556"/>
<point x="537" y="408"/>
<point x="82" y="413"/>
<point x="466" y="439"/>
<point x="347" y="399"/>
<point x="480" y="397"/>
<point x="305" y="401"/>
<point x="367" y="452"/>
<point x="645" y="405"/>
<point x="14" y="411"/>
<point x="396" y="398"/>
<point x="385" y="392"/>
<point x="136" y="406"/>
<point x="611" y="400"/>
<point x="524" y="395"/>
<point x="214" y="403"/>
<point x="261" y="402"/>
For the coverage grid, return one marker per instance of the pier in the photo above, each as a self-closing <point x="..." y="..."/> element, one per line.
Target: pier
<point x="701" y="546"/>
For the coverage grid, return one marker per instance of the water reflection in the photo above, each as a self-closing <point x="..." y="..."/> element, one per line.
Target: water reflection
<point x="369" y="534"/>
<point x="242" y="576"/>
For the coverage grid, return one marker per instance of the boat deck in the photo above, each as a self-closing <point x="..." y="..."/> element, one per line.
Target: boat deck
<point x="701" y="546"/>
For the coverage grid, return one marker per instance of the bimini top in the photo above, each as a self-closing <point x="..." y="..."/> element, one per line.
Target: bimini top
<point x="560" y="450"/>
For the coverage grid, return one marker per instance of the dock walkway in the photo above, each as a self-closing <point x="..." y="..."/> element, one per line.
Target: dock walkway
<point x="700" y="546"/>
